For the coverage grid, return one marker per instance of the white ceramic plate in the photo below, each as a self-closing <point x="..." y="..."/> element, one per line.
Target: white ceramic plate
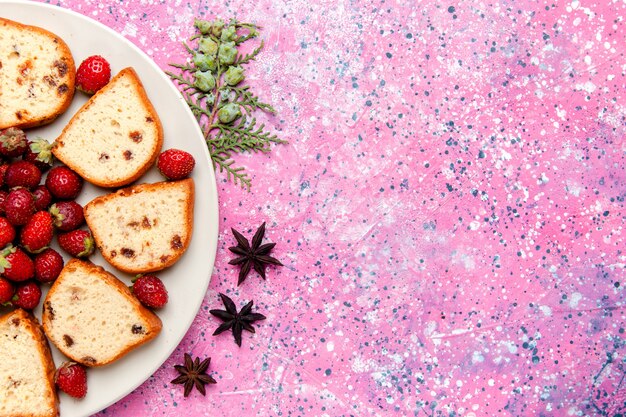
<point x="187" y="280"/>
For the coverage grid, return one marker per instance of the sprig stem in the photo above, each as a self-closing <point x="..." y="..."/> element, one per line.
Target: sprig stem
<point x="211" y="83"/>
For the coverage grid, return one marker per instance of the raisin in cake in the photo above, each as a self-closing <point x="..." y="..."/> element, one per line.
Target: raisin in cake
<point x="115" y="137"/>
<point x="143" y="228"/>
<point x="26" y="369"/>
<point x="93" y="318"/>
<point x="37" y="75"/>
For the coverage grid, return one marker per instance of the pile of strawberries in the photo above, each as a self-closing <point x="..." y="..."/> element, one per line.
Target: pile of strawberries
<point x="32" y="211"/>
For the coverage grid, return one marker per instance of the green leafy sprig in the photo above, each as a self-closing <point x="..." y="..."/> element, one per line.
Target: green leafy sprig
<point x="212" y="83"/>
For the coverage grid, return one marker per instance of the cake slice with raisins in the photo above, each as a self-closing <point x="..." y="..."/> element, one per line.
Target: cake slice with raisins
<point x="93" y="318"/>
<point x="115" y="137"/>
<point x="143" y="228"/>
<point x="37" y="75"/>
<point x="26" y="368"/>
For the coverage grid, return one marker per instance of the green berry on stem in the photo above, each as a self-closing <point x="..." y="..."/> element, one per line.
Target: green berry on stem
<point x="204" y="26"/>
<point x="228" y="113"/>
<point x="218" y="25"/>
<point x="204" y="81"/>
<point x="204" y="62"/>
<point x="227" y="53"/>
<point x="207" y="46"/>
<point x="229" y="34"/>
<point x="234" y="75"/>
<point x="225" y="95"/>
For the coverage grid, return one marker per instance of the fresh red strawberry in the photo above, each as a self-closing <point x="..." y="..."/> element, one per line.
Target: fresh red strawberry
<point x="71" y="378"/>
<point x="3" y="198"/>
<point x="175" y="164"/>
<point x="19" y="206"/>
<point x="7" y="232"/>
<point x="13" y="142"/>
<point x="77" y="243"/>
<point x="22" y="174"/>
<point x="68" y="215"/>
<point x="48" y="265"/>
<point x="93" y="74"/>
<point x="39" y="152"/>
<point x="38" y="232"/>
<point x="16" y="265"/>
<point x="150" y="291"/>
<point x="63" y="183"/>
<point x="3" y="170"/>
<point x="42" y="197"/>
<point x="6" y="290"/>
<point x="27" y="296"/>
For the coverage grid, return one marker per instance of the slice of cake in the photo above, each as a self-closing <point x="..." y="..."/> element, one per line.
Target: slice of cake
<point x="26" y="369"/>
<point x="93" y="318"/>
<point x="37" y="75"/>
<point x="115" y="137"/>
<point x="144" y="228"/>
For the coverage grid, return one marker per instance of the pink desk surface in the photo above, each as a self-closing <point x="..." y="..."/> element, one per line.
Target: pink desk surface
<point x="450" y="210"/>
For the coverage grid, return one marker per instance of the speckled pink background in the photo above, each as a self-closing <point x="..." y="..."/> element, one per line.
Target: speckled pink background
<point x="450" y="210"/>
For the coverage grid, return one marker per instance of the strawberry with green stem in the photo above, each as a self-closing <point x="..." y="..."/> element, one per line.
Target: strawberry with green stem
<point x="3" y="199"/>
<point x="16" y="265"/>
<point x="93" y="74"/>
<point x="27" y="296"/>
<point x="37" y="233"/>
<point x="39" y="152"/>
<point x="67" y="215"/>
<point x="42" y="197"/>
<point x="19" y="206"/>
<point x="71" y="378"/>
<point x="175" y="164"/>
<point x="63" y="183"/>
<point x="13" y="142"/>
<point x="7" y="232"/>
<point x="150" y="291"/>
<point x="48" y="265"/>
<point x="6" y="291"/>
<point x="78" y="243"/>
<point x="22" y="174"/>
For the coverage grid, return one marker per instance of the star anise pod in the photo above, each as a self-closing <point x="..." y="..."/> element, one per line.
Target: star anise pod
<point x="253" y="255"/>
<point x="193" y="374"/>
<point x="235" y="321"/>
